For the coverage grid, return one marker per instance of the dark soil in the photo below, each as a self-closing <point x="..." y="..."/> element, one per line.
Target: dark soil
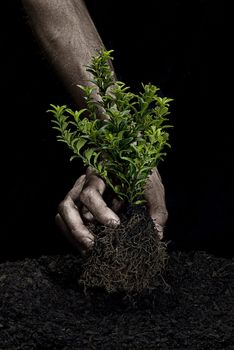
<point x="42" y="306"/>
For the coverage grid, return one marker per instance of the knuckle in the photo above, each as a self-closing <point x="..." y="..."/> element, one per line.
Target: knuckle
<point x="165" y="215"/>
<point x="87" y="216"/>
<point x="61" y="206"/>
<point x="64" y="204"/>
<point x="86" y="240"/>
<point x="161" y="216"/>
<point x="58" y="219"/>
<point x="86" y="194"/>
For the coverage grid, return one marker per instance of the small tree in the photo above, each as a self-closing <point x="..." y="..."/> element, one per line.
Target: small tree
<point x="125" y="147"/>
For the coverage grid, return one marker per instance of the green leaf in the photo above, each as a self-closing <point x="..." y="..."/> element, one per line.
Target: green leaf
<point x="80" y="144"/>
<point x="141" y="181"/>
<point x="56" y="128"/>
<point x="95" y="158"/>
<point x="88" y="154"/>
<point x="139" y="202"/>
<point x="77" y="114"/>
<point x="128" y="159"/>
<point x="99" y="167"/>
<point x="73" y="157"/>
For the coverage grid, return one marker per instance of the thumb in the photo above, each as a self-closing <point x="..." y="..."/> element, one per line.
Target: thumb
<point x="155" y="197"/>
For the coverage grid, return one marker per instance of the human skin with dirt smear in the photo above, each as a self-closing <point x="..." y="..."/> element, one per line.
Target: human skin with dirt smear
<point x="68" y="36"/>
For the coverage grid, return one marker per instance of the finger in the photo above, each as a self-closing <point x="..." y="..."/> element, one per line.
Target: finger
<point x="86" y="214"/>
<point x="155" y="196"/>
<point x="64" y="229"/>
<point x="95" y="182"/>
<point x="159" y="228"/>
<point x="115" y="205"/>
<point x="91" y="197"/>
<point x="74" y="193"/>
<point x="77" y="231"/>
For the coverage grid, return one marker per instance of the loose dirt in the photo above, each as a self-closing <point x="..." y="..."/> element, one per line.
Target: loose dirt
<point x="43" y="306"/>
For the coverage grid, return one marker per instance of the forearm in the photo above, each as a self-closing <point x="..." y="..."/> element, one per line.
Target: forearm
<point x="68" y="36"/>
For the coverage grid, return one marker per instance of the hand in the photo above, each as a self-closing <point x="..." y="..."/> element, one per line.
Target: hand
<point x="84" y="202"/>
<point x="155" y="197"/>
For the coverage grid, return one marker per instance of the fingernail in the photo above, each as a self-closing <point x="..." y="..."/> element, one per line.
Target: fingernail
<point x="90" y="244"/>
<point x="113" y="223"/>
<point x="159" y="229"/>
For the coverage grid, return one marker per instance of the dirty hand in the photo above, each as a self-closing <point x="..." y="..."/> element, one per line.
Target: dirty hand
<point x="84" y="203"/>
<point x="155" y="197"/>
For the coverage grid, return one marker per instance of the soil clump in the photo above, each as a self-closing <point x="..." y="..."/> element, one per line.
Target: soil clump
<point x="129" y="258"/>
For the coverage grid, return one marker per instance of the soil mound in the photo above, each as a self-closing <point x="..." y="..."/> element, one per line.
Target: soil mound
<point x="42" y="306"/>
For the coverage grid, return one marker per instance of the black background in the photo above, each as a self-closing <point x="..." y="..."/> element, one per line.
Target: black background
<point x="180" y="46"/>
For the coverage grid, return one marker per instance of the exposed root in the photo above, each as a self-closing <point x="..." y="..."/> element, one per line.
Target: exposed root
<point x="130" y="258"/>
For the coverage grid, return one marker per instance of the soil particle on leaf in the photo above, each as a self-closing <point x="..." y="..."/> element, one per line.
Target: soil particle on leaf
<point x="43" y="306"/>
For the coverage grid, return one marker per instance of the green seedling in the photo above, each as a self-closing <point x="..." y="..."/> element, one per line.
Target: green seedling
<point x="124" y="147"/>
